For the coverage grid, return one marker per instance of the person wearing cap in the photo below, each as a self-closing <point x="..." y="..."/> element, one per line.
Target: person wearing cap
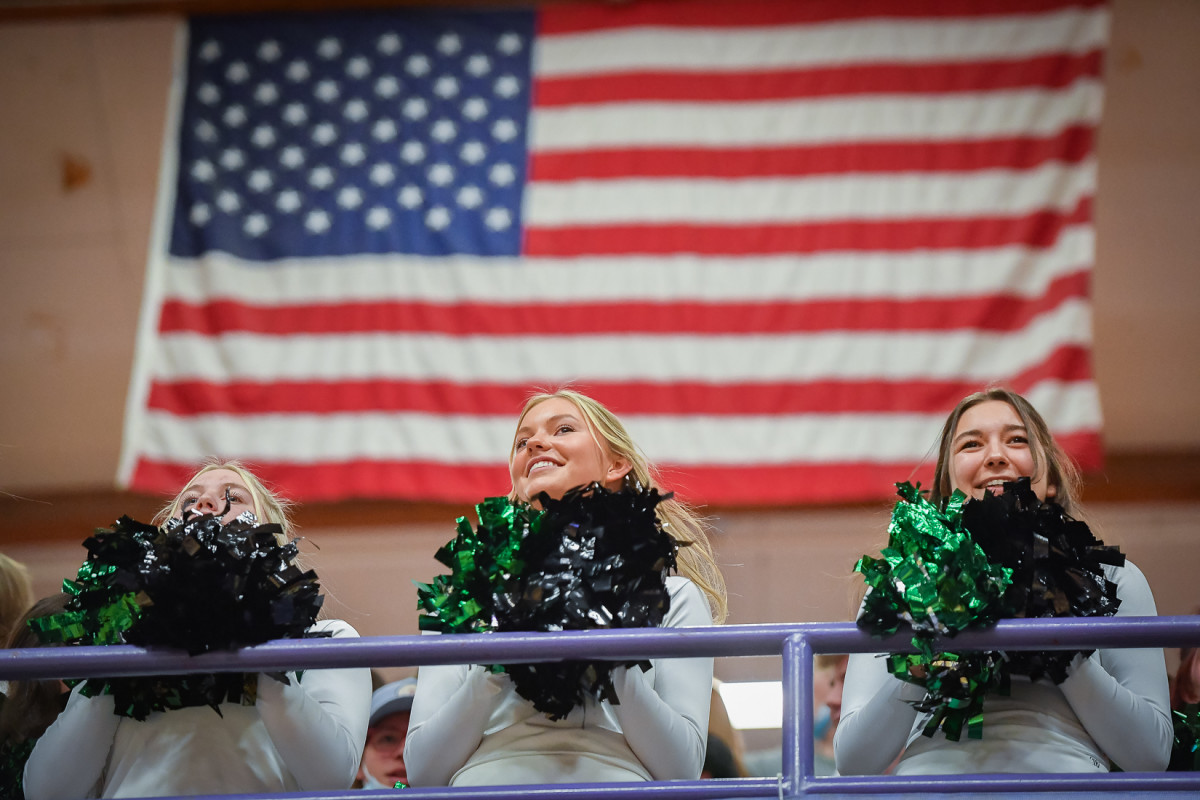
<point x="382" y="764"/>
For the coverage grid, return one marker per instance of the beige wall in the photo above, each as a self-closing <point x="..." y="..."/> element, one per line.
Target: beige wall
<point x="1147" y="282"/>
<point x="93" y="92"/>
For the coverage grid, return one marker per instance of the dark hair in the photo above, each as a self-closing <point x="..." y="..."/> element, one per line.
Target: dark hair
<point x="31" y="705"/>
<point x="1060" y="470"/>
<point x="718" y="759"/>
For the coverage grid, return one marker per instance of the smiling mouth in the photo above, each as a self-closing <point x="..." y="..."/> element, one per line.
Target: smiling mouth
<point x="996" y="486"/>
<point x="539" y="466"/>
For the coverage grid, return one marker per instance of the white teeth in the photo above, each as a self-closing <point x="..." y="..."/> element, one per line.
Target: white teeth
<point x="541" y="465"/>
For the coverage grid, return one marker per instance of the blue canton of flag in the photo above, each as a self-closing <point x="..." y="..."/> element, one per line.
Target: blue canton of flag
<point x="374" y="134"/>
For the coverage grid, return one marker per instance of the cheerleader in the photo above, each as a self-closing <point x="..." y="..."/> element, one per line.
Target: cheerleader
<point x="306" y="735"/>
<point x="470" y="727"/>
<point x="1112" y="709"/>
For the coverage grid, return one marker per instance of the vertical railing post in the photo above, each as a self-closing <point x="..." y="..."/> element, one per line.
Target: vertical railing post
<point x="798" y="762"/>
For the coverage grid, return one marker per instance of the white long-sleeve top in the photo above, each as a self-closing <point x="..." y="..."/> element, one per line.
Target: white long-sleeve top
<point x="1114" y="705"/>
<point x="306" y="736"/>
<point x="471" y="728"/>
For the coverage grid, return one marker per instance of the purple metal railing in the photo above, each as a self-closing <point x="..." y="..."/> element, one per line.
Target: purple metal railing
<point x="796" y="643"/>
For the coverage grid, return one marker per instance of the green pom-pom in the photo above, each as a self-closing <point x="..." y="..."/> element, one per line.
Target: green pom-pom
<point x="934" y="577"/>
<point x="967" y="566"/>
<point x="480" y="560"/>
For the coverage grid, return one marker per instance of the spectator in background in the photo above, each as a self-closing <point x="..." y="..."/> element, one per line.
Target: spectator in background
<point x="29" y="706"/>
<point x="828" y="679"/>
<point x="829" y="675"/>
<point x="1185" y="688"/>
<point x="387" y="729"/>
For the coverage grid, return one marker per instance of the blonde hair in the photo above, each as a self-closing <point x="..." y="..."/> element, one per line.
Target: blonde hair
<point x="268" y="506"/>
<point x="696" y="559"/>
<point x="1048" y="457"/>
<point x="16" y="594"/>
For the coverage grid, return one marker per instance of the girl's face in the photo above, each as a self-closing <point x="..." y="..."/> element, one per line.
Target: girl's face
<point x="990" y="448"/>
<point x="209" y="491"/>
<point x="555" y="451"/>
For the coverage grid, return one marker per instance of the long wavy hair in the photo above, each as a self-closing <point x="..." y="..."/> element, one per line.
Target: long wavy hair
<point x="16" y="594"/>
<point x="696" y="559"/>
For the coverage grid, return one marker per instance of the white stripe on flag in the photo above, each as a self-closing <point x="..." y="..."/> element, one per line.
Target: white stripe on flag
<point x="957" y="355"/>
<point x="818" y="45"/>
<point x="1016" y="270"/>
<point x="936" y="119"/>
<point x="798" y="200"/>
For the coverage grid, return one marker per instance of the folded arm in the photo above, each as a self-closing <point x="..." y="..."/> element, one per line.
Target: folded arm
<point x="318" y="723"/>
<point x="1121" y="695"/>
<point x="67" y="763"/>
<point x="664" y="714"/>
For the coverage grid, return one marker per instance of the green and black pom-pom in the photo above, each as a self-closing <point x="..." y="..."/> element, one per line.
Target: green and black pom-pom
<point x="963" y="568"/>
<point x="594" y="559"/>
<point x="196" y="585"/>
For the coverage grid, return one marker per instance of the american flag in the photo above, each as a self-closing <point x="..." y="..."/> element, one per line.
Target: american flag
<point x="780" y="238"/>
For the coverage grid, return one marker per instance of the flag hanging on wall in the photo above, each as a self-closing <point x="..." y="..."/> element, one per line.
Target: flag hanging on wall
<point x="780" y="239"/>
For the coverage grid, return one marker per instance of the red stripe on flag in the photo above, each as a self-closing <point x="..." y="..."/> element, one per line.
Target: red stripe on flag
<point x="1045" y="72"/>
<point x="768" y="484"/>
<point x="568" y="18"/>
<point x="996" y="312"/>
<point x="1071" y="146"/>
<point x="429" y="481"/>
<point x="1038" y="229"/>
<point x="765" y="484"/>
<point x="1068" y="363"/>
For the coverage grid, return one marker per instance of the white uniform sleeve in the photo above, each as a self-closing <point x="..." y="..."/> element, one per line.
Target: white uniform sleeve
<point x="450" y="710"/>
<point x="1121" y="696"/>
<point x="876" y="720"/>
<point x="318" y="724"/>
<point x="664" y="713"/>
<point x="68" y="761"/>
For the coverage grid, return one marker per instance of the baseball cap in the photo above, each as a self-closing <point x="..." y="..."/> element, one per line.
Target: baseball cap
<point x="392" y="697"/>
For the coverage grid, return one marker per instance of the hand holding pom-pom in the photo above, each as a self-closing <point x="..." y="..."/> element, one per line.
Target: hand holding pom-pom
<point x="594" y="559"/>
<point x="1001" y="556"/>
<point x="194" y="584"/>
<point x="1057" y="567"/>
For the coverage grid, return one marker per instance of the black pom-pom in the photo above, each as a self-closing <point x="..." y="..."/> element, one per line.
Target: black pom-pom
<point x="598" y="559"/>
<point x="1057" y="564"/>
<point x="197" y="585"/>
<point x="1185" y="752"/>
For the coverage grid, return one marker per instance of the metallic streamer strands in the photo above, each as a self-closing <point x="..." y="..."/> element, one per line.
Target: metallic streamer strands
<point x="965" y="566"/>
<point x="594" y="559"/>
<point x="196" y="585"/>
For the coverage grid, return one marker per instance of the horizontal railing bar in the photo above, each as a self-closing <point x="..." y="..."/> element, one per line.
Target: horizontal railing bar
<point x="662" y="790"/>
<point x="1122" y="784"/>
<point x="992" y="783"/>
<point x="613" y="645"/>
